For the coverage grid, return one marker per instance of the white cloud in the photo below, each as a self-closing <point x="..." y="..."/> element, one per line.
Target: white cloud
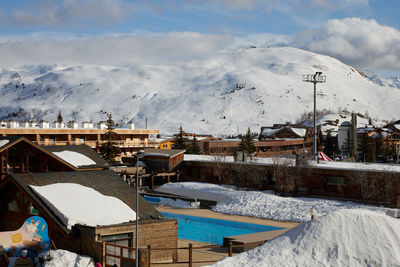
<point x="358" y="42"/>
<point x="78" y="13"/>
<point x="112" y="49"/>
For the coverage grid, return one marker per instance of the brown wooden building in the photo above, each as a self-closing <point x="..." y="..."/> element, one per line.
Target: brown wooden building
<point x="24" y="163"/>
<point x="379" y="186"/>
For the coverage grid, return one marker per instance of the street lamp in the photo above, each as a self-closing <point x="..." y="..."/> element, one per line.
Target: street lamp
<point x="315" y="78"/>
<point x="139" y="154"/>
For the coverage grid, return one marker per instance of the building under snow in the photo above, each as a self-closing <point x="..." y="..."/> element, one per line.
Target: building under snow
<point x="72" y="188"/>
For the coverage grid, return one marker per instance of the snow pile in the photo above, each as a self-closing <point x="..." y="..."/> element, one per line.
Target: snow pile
<point x="66" y="258"/>
<point x="74" y="158"/>
<point x="343" y="238"/>
<point x="77" y="204"/>
<point x="358" y="166"/>
<point x="259" y="204"/>
<point x="3" y="142"/>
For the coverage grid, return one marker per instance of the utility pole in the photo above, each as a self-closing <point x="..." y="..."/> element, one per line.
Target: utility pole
<point x="315" y="78"/>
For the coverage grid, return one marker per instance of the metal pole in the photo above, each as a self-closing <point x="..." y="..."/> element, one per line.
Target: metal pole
<point x="137" y="211"/>
<point x="315" y="115"/>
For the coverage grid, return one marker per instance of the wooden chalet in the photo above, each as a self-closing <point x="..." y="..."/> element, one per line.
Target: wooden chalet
<point x="283" y="140"/>
<point x="25" y="164"/>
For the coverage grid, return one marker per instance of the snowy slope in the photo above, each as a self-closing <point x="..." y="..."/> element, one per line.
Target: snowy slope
<point x="222" y="94"/>
<point x="342" y="238"/>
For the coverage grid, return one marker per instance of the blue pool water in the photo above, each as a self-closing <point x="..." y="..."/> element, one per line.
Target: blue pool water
<point x="213" y="230"/>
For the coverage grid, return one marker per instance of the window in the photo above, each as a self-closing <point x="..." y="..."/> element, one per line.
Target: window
<point x="32" y="210"/>
<point x="124" y="240"/>
<point x="13" y="205"/>
<point x="335" y="180"/>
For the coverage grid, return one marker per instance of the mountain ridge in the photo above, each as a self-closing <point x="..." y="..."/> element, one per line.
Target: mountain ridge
<point x="221" y="94"/>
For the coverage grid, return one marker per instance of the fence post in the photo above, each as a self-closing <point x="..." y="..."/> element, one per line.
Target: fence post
<point x="230" y="249"/>
<point x="120" y="255"/>
<point x="190" y="254"/>
<point x="143" y="257"/>
<point x="104" y="253"/>
<point x="149" y="248"/>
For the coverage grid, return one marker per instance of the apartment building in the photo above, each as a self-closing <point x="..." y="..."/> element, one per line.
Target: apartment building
<point x="129" y="139"/>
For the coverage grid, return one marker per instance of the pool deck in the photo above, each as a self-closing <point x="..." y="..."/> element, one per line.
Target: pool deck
<point x="217" y="254"/>
<point x="237" y="218"/>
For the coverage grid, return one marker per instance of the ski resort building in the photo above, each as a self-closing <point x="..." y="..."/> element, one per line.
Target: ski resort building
<point x="27" y="169"/>
<point x="129" y="139"/>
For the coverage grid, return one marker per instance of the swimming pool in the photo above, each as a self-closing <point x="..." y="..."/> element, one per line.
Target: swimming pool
<point x="213" y="230"/>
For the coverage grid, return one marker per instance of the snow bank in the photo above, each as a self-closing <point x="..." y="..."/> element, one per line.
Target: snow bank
<point x="66" y="258"/>
<point x="3" y="142"/>
<point x="357" y="166"/>
<point x="259" y="204"/>
<point x="342" y="238"/>
<point x="74" y="158"/>
<point x="77" y="204"/>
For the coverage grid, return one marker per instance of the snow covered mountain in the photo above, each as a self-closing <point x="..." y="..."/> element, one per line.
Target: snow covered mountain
<point x="222" y="94"/>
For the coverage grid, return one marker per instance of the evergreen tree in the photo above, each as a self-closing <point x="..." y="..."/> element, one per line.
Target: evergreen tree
<point x="59" y="117"/>
<point x="247" y="143"/>
<point x="365" y="147"/>
<point x="347" y="146"/>
<point x="108" y="150"/>
<point x="378" y="143"/>
<point x="250" y="147"/>
<point x="179" y="142"/>
<point x="194" y="148"/>
<point x="329" y="147"/>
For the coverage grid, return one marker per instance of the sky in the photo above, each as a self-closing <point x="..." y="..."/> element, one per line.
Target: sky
<point x="361" y="33"/>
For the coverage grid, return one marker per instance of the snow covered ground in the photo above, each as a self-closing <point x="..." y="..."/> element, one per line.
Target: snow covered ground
<point x="259" y="204"/>
<point x="77" y="204"/>
<point x="62" y="258"/>
<point x="66" y="258"/>
<point x="355" y="237"/>
<point x="291" y="162"/>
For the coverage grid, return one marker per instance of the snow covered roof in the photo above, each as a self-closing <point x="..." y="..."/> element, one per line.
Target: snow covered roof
<point x="74" y="158"/>
<point x="163" y="152"/>
<point x="270" y="132"/>
<point x="106" y="182"/>
<point x="4" y="142"/>
<point x="90" y="158"/>
<point x="77" y="204"/>
<point x="299" y="131"/>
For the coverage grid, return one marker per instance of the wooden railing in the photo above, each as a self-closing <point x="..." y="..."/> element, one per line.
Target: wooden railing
<point x="145" y="258"/>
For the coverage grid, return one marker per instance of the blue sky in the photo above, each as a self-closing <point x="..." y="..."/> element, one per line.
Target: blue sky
<point x="363" y="33"/>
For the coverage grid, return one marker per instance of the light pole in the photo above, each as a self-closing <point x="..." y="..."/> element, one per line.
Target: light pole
<point x="139" y="154"/>
<point x="315" y="78"/>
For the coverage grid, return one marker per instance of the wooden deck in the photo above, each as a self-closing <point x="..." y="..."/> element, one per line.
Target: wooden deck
<point x="260" y="237"/>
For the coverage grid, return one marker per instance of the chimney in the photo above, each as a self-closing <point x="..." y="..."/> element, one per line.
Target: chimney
<point x="102" y="125"/>
<point x="73" y="124"/>
<point x="26" y="124"/>
<point x="44" y="124"/>
<point x="13" y="124"/>
<point x="131" y="126"/>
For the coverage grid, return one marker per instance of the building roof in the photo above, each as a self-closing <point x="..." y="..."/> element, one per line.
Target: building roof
<point x="84" y="150"/>
<point x="105" y="182"/>
<point x="163" y="152"/>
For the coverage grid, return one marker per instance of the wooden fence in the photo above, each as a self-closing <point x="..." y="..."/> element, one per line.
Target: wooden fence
<point x="125" y="256"/>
